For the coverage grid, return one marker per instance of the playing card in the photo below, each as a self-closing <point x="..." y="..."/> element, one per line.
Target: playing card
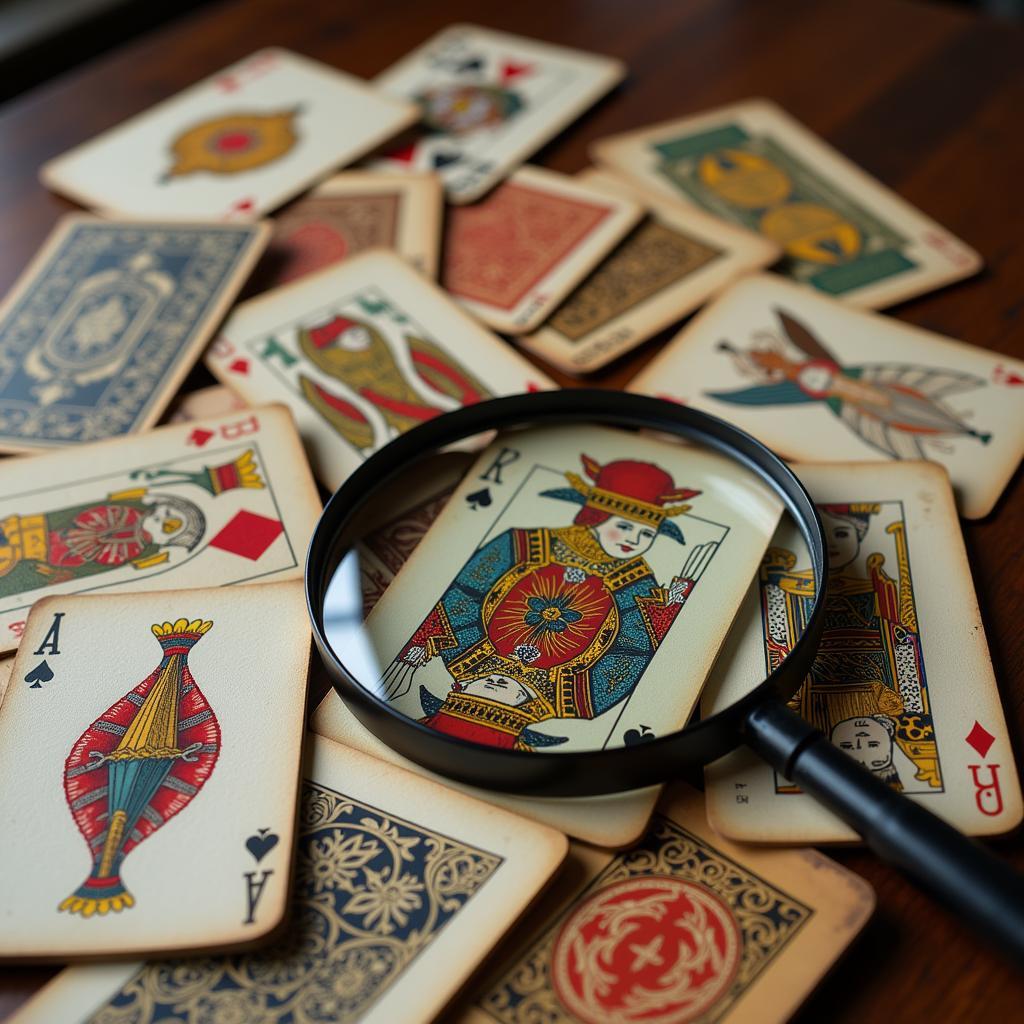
<point x="402" y="888"/>
<point x="234" y="145"/>
<point x="149" y="749"/>
<point x="489" y="100"/>
<point x="841" y="231"/>
<point x="818" y="381"/>
<point x="205" y="403"/>
<point x="662" y="270"/>
<point x="686" y="926"/>
<point x="903" y="633"/>
<point x="103" y="325"/>
<point x="228" y="500"/>
<point x="511" y="258"/>
<point x="361" y="352"/>
<point x="350" y="213"/>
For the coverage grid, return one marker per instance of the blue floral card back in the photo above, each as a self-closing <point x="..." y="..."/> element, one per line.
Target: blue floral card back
<point x="103" y="326"/>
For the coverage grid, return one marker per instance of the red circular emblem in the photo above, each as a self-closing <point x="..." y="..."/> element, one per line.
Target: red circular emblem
<point x="648" y="949"/>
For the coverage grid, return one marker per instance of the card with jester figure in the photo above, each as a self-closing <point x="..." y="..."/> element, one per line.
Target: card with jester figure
<point x="361" y="352"/>
<point x="488" y="100"/>
<point x="149" y="755"/>
<point x="401" y="889"/>
<point x="818" y="381"/>
<point x="685" y="926"/>
<point x="842" y="232"/>
<point x="903" y="681"/>
<point x="204" y="503"/>
<point x="103" y="326"/>
<point x="662" y="270"/>
<point x="233" y="146"/>
<point x="350" y="213"/>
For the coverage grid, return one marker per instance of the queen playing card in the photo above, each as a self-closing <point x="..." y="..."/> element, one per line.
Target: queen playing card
<point x="402" y="887"/>
<point x="903" y="633"/>
<point x="104" y="324"/>
<point x="234" y="145"/>
<point x="207" y="503"/>
<point x="142" y="739"/>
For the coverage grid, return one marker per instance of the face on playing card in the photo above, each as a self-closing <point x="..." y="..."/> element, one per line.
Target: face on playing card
<point x="568" y="553"/>
<point x="842" y="232"/>
<point x="361" y="352"/>
<point x="684" y="922"/>
<point x="214" y="502"/>
<point x="104" y="324"/>
<point x="903" y="632"/>
<point x="234" y="145"/>
<point x="488" y="100"/>
<point x="818" y="381"/>
<point x="432" y="877"/>
<point x="150" y="748"/>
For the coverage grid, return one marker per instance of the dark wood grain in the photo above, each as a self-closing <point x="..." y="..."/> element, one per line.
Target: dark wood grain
<point x="924" y="96"/>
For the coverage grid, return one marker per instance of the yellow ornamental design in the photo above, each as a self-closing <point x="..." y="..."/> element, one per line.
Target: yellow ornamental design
<point x="233" y="143"/>
<point x="744" y="179"/>
<point x="810" y="232"/>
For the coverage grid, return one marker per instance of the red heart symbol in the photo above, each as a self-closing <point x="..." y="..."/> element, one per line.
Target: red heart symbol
<point x="239" y="366"/>
<point x="510" y="69"/>
<point x="199" y="437"/>
<point x="243" y="205"/>
<point x="403" y="153"/>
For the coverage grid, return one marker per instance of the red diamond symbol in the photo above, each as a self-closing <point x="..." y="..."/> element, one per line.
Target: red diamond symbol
<point x="980" y="738"/>
<point x="199" y="437"/>
<point x="247" y="535"/>
<point x="239" y="366"/>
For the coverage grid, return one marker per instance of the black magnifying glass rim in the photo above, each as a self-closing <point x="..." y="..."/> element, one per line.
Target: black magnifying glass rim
<point x="550" y="773"/>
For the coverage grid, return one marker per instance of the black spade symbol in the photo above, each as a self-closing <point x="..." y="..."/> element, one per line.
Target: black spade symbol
<point x="635" y="736"/>
<point x="479" y="499"/>
<point x="443" y="159"/>
<point x="42" y="673"/>
<point x="261" y="844"/>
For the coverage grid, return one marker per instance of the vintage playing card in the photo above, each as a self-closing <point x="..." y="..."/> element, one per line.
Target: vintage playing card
<point x="235" y="145"/>
<point x="103" y="325"/>
<point x="350" y="213"/>
<point x="361" y="352"/>
<point x="686" y="926"/>
<point x="662" y="270"/>
<point x="903" y="634"/>
<point x="511" y="258"/>
<point x="489" y="100"/>
<point x="841" y="231"/>
<point x="149" y="750"/>
<point x="401" y="889"/>
<point x="228" y="500"/>
<point x="205" y="403"/>
<point x="818" y="381"/>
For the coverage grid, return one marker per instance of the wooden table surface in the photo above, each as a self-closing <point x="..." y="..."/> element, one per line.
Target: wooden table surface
<point x="924" y="96"/>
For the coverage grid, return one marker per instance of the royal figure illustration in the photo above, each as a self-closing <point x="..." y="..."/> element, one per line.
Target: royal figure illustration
<point x="867" y="689"/>
<point x="356" y="353"/>
<point x="897" y="408"/>
<point x="461" y="108"/>
<point x="135" y="526"/>
<point x="561" y="623"/>
<point x="138" y="765"/>
<point x="233" y="143"/>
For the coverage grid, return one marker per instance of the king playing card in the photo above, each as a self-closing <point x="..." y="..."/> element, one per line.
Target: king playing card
<point x="488" y="100"/>
<point x="208" y="503"/>
<point x="234" y="145"/>
<point x="841" y="231"/>
<point x="149" y="750"/>
<point x="401" y="890"/>
<point x="102" y="327"/>
<point x="361" y="352"/>
<point x="903" y="632"/>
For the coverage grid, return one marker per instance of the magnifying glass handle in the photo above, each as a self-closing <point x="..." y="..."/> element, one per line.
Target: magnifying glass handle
<point x="959" y="871"/>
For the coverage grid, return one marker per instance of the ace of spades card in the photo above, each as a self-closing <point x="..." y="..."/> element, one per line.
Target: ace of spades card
<point x="571" y="574"/>
<point x="234" y="145"/>
<point x="488" y="100"/>
<point x="903" y="681"/>
<point x="361" y="352"/>
<point x="149" y="786"/>
<point x="212" y="502"/>
<point x="818" y="381"/>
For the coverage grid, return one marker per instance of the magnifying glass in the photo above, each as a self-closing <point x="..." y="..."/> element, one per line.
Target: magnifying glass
<point x="520" y="698"/>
